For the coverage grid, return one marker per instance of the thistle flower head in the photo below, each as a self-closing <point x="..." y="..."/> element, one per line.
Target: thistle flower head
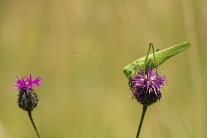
<point x="27" y="98"/>
<point x="146" y="85"/>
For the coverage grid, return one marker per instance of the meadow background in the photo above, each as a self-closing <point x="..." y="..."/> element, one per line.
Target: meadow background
<point x="82" y="97"/>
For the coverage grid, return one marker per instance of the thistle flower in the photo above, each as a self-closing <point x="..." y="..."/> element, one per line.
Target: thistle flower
<point x="146" y="85"/>
<point x="27" y="98"/>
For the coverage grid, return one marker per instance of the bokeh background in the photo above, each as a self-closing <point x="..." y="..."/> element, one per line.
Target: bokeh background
<point x="84" y="97"/>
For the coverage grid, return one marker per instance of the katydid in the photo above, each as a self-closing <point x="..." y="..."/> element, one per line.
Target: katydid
<point x="156" y="58"/>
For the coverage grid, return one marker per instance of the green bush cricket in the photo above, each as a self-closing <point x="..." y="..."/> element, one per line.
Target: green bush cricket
<point x="156" y="58"/>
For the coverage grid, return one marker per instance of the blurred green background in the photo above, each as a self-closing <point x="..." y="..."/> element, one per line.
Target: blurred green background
<point x="82" y="97"/>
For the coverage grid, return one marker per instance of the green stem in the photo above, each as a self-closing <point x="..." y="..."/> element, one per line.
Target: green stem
<point x="30" y="117"/>
<point x="141" y="121"/>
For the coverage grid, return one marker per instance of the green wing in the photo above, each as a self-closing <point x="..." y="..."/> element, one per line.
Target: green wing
<point x="160" y="57"/>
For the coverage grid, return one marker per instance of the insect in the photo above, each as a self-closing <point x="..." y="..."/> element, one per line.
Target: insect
<point x="156" y="58"/>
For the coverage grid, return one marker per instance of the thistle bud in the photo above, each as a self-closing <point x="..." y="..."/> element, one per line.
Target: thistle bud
<point x="27" y="100"/>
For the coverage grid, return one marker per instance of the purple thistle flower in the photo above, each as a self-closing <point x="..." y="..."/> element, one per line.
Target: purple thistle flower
<point x="27" y="98"/>
<point x="146" y="86"/>
<point x="27" y="83"/>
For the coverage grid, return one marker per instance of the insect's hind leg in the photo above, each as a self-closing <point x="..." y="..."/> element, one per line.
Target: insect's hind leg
<point x="146" y="60"/>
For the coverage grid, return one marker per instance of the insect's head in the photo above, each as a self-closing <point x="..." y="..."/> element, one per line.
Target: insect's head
<point x="132" y="69"/>
<point x="128" y="70"/>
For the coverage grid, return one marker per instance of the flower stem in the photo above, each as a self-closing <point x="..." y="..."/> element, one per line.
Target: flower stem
<point x="141" y="120"/>
<point x="30" y="117"/>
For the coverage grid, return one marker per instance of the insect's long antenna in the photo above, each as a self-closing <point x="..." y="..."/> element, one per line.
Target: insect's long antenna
<point x="92" y="57"/>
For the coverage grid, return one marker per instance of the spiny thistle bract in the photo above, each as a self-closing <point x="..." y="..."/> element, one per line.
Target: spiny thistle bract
<point x="27" y="98"/>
